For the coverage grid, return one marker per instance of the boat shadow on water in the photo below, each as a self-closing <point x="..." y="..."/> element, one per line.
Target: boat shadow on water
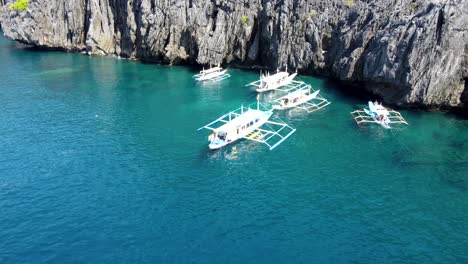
<point x="208" y="84"/>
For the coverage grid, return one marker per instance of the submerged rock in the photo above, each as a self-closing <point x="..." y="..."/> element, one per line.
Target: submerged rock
<point x="408" y="52"/>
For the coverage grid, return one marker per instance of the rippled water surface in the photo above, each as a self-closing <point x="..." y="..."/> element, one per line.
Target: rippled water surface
<point x="101" y="162"/>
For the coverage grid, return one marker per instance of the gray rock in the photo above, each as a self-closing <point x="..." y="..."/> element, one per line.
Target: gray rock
<point x="410" y="53"/>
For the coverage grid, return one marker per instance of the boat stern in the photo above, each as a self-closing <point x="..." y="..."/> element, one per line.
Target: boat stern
<point x="217" y="144"/>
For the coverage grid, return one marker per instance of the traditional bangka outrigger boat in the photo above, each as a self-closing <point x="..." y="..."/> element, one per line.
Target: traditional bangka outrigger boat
<point x="302" y="97"/>
<point x="214" y="74"/>
<point x="269" y="82"/>
<point x="378" y="114"/>
<point x="248" y="123"/>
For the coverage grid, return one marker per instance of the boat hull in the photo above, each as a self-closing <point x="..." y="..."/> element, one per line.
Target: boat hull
<point x="209" y="76"/>
<point x="218" y="146"/>
<point x="383" y="124"/>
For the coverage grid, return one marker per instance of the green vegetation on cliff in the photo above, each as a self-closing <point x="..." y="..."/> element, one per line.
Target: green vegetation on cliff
<point x="19" y="5"/>
<point x="349" y="3"/>
<point x="244" y="19"/>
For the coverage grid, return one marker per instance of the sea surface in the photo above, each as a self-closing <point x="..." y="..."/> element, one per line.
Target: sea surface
<point x="101" y="162"/>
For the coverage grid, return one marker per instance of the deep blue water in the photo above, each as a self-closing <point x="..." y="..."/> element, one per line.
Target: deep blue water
<point x="101" y="162"/>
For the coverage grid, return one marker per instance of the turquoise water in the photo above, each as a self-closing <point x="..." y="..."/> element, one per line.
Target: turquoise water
<point x="101" y="162"/>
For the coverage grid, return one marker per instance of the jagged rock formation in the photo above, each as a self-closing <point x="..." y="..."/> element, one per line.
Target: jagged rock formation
<point x="409" y="52"/>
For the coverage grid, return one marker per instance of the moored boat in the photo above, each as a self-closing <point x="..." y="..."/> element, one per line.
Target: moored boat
<point x="269" y="82"/>
<point x="214" y="74"/>
<point x="238" y="128"/>
<point x="294" y="99"/>
<point x="301" y="96"/>
<point x="248" y="123"/>
<point x="378" y="114"/>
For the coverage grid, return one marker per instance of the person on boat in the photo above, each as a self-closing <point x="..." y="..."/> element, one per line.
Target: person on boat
<point x="376" y="103"/>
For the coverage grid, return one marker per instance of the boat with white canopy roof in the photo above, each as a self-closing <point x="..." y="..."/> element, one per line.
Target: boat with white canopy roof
<point x="248" y="123"/>
<point x="269" y="82"/>
<point x="302" y="96"/>
<point x="214" y="74"/>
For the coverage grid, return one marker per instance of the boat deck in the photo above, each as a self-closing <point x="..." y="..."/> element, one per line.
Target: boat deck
<point x="273" y="135"/>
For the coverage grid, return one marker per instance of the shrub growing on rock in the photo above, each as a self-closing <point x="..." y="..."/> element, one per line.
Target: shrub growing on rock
<point x="312" y="13"/>
<point x="349" y="3"/>
<point x="19" y="5"/>
<point x="244" y="19"/>
<point x="413" y="7"/>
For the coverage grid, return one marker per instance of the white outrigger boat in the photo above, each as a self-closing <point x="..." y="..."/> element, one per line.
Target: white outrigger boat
<point x="214" y="74"/>
<point x="378" y="114"/>
<point x="269" y="82"/>
<point x="302" y="97"/>
<point x="248" y="123"/>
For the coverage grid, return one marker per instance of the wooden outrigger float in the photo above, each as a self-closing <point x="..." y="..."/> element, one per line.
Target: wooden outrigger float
<point x="269" y="82"/>
<point x="214" y="74"/>
<point x="248" y="123"/>
<point x="379" y="115"/>
<point x="302" y="96"/>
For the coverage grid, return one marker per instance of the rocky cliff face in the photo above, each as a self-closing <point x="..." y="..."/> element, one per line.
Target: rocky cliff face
<point x="409" y="52"/>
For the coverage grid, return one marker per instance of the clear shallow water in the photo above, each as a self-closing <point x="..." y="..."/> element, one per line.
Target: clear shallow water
<point x="101" y="163"/>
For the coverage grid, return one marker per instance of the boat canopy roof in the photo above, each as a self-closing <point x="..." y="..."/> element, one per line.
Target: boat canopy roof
<point x="296" y="93"/>
<point x="211" y="70"/>
<point x="275" y="77"/>
<point x="243" y="119"/>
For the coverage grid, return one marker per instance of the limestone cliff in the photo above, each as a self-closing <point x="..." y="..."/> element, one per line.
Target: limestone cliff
<point x="409" y="52"/>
